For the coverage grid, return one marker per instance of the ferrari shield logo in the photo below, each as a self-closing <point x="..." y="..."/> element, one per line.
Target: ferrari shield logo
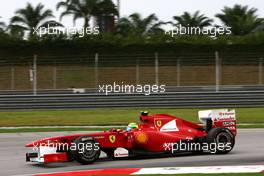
<point x="112" y="138"/>
<point x="158" y="122"/>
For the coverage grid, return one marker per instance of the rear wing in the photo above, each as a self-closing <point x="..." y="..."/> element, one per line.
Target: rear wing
<point x="218" y="118"/>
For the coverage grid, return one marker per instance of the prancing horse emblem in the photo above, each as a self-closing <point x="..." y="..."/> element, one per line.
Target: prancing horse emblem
<point x="158" y="122"/>
<point x="112" y="138"/>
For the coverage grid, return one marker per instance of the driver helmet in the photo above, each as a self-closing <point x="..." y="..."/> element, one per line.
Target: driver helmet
<point x="132" y="126"/>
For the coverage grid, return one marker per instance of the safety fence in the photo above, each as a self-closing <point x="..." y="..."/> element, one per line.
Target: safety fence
<point x="217" y="69"/>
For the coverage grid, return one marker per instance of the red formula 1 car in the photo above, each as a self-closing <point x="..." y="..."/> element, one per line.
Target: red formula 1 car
<point x="158" y="133"/>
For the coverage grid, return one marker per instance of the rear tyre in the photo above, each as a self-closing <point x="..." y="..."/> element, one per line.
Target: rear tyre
<point x="86" y="150"/>
<point x="220" y="140"/>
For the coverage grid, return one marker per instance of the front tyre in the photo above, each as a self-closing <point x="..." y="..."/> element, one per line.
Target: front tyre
<point x="85" y="150"/>
<point x="220" y="140"/>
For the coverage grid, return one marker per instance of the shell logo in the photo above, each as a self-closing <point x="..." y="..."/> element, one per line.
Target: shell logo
<point x="142" y="138"/>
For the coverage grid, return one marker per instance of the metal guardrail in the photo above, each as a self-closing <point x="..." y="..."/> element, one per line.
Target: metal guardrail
<point x="190" y="98"/>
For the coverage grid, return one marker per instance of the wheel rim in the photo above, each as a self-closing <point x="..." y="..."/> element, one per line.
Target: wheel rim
<point x="224" y="138"/>
<point x="88" y="153"/>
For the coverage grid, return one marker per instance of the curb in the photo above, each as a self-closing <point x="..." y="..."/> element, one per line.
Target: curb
<point x="164" y="170"/>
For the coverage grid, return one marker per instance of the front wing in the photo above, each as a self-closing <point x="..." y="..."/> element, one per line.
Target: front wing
<point x="44" y="154"/>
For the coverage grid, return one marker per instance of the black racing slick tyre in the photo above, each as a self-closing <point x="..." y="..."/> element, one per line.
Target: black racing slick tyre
<point x="85" y="150"/>
<point x="220" y="140"/>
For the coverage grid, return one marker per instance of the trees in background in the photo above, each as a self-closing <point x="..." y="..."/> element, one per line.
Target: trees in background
<point x="134" y="28"/>
<point x="106" y="15"/>
<point x="2" y="25"/>
<point x="30" y="18"/>
<point x="85" y="9"/>
<point x="193" y="20"/>
<point x="2" y="29"/>
<point x="78" y="9"/>
<point x="136" y="25"/>
<point x="242" y="19"/>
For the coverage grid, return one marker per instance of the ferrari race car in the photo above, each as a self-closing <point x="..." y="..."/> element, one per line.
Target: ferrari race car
<point x="155" y="134"/>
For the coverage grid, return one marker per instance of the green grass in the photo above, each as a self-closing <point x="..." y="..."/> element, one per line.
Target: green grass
<point x="251" y="126"/>
<point x="109" y="116"/>
<point x="27" y="130"/>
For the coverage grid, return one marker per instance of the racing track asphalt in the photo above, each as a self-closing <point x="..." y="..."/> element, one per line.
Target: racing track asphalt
<point x="249" y="150"/>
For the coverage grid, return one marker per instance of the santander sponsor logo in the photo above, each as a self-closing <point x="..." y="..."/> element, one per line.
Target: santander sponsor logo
<point x="226" y="116"/>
